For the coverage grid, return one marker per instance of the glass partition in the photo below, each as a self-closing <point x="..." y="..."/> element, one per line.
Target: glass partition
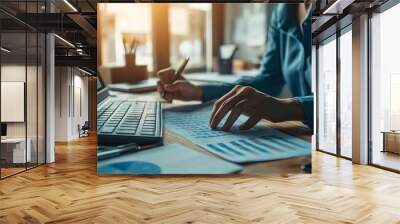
<point x="14" y="153"/>
<point x="385" y="89"/>
<point x="22" y="91"/>
<point x="346" y="93"/>
<point x="327" y="96"/>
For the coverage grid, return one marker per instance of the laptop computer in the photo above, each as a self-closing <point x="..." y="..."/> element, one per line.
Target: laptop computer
<point x="123" y="120"/>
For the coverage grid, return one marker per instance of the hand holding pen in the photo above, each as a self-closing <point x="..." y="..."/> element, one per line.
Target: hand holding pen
<point x="173" y="85"/>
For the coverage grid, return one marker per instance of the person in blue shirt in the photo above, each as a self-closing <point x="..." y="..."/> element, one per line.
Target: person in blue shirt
<point x="287" y="60"/>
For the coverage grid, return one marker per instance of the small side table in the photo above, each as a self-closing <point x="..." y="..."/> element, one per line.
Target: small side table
<point x="391" y="141"/>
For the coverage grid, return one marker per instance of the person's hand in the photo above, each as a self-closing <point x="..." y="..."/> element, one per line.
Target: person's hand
<point x="180" y="89"/>
<point x="254" y="104"/>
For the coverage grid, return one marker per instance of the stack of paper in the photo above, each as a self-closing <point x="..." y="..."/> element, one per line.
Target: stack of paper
<point x="260" y="143"/>
<point x="167" y="159"/>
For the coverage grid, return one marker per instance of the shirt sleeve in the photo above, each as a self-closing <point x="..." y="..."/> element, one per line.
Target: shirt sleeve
<point x="307" y="103"/>
<point x="269" y="80"/>
<point x="213" y="91"/>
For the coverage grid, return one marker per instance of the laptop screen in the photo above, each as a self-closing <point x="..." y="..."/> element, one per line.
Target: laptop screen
<point x="3" y="129"/>
<point x="102" y="91"/>
<point x="100" y="84"/>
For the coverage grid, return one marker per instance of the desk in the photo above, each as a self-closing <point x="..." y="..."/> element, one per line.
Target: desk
<point x="391" y="141"/>
<point x="13" y="150"/>
<point x="281" y="167"/>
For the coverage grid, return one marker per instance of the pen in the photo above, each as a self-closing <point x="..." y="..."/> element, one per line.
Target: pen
<point x="180" y="69"/>
<point x="133" y="46"/>
<point x="124" y="43"/>
<point x="121" y="149"/>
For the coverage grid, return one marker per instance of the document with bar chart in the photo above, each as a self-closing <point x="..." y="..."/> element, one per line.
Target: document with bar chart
<point x="260" y="143"/>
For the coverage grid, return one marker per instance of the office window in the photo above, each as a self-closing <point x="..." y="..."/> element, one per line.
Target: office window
<point x="327" y="96"/>
<point x="385" y="87"/>
<point x="189" y="25"/>
<point x="346" y="94"/>
<point x="128" y="22"/>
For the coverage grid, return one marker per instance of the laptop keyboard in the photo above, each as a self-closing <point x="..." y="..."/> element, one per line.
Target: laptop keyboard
<point x="130" y="118"/>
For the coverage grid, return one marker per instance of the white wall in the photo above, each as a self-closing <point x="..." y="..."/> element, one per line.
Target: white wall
<point x="61" y="103"/>
<point x="71" y="102"/>
<point x="15" y="73"/>
<point x="80" y="97"/>
<point x="33" y="126"/>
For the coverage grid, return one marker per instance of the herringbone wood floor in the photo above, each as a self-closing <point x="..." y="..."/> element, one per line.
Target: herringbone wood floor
<point x="69" y="191"/>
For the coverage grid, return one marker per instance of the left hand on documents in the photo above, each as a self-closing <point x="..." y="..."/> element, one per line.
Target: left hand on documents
<point x="254" y="104"/>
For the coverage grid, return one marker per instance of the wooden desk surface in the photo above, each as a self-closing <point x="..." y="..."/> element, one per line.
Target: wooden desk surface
<point x="282" y="167"/>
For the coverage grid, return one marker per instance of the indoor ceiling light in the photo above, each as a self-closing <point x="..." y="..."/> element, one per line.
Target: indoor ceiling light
<point x="337" y="7"/>
<point x="65" y="41"/>
<point x="5" y="50"/>
<point x="70" y="5"/>
<point x="79" y="51"/>
<point x="332" y="8"/>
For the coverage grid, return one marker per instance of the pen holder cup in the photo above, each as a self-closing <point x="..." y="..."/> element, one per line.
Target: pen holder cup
<point x="130" y="60"/>
<point x="225" y="66"/>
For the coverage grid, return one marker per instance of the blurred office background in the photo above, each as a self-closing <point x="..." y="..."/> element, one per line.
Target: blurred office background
<point x="167" y="33"/>
<point x="50" y="47"/>
<point x="351" y="52"/>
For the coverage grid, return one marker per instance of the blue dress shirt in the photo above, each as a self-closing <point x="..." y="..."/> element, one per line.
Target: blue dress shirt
<point x="287" y="60"/>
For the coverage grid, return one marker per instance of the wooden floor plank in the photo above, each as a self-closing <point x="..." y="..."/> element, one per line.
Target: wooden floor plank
<point x="70" y="191"/>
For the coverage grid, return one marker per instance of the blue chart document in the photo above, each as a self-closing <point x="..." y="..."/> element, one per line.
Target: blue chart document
<point x="260" y="143"/>
<point x="166" y="159"/>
